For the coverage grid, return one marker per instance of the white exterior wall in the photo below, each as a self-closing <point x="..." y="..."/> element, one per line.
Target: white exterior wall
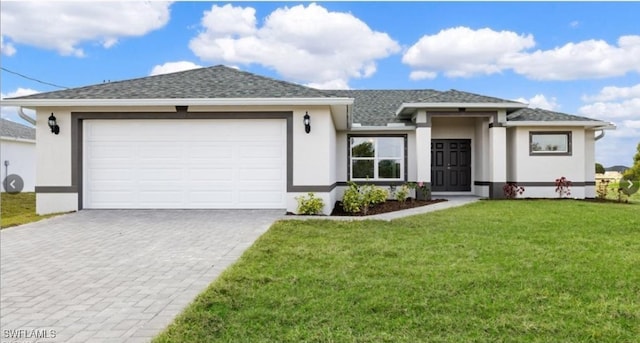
<point x="423" y="154"/>
<point x="512" y="151"/>
<point x="589" y="163"/>
<point x="314" y="156"/>
<point x="21" y="155"/>
<point x="531" y="169"/>
<point x="312" y="152"/>
<point x="53" y="159"/>
<point x="56" y="202"/>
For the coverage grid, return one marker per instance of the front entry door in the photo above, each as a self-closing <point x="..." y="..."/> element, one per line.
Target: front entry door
<point x="451" y="165"/>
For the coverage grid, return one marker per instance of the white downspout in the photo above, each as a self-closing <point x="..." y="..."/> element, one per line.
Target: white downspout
<point x="599" y="135"/>
<point x="26" y="117"/>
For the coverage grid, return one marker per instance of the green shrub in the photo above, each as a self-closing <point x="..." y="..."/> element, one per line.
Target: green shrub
<point x="402" y="193"/>
<point x="310" y="204"/>
<point x="351" y="201"/>
<point x="360" y="198"/>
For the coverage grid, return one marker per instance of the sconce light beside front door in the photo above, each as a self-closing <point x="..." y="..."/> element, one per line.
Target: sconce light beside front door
<point x="53" y="124"/>
<point x="307" y="122"/>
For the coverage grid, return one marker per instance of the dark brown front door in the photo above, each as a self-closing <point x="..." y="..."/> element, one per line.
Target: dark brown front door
<point x="451" y="165"/>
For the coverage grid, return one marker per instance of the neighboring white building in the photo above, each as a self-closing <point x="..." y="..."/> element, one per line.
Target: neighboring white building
<point x="18" y="153"/>
<point x="218" y="137"/>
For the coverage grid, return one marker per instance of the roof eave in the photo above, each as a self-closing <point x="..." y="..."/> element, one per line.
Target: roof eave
<point x="406" y="107"/>
<point x="33" y="103"/>
<point x="382" y="128"/>
<point x="17" y="139"/>
<point x="582" y="123"/>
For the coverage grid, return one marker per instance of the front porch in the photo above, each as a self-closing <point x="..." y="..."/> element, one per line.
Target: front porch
<point x="461" y="152"/>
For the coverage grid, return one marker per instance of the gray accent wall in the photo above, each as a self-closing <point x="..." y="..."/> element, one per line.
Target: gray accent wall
<point x="77" y="119"/>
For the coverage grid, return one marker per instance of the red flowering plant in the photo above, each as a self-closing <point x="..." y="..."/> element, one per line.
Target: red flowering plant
<point x="562" y="187"/>
<point x="512" y="190"/>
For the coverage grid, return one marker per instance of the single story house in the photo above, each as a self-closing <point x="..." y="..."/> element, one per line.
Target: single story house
<point x="18" y="153"/>
<point x="221" y="138"/>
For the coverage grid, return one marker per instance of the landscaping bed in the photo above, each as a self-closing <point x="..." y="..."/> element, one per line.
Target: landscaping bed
<point x="385" y="207"/>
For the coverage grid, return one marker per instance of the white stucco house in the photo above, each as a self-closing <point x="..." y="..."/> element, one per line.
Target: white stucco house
<point x="218" y="137"/>
<point x="18" y="153"/>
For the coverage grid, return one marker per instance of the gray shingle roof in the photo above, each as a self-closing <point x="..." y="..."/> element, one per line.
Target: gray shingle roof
<point x="378" y="107"/>
<point x="538" y="114"/>
<point x="15" y="130"/>
<point x="370" y="108"/>
<point x="212" y="82"/>
<point x="454" y="96"/>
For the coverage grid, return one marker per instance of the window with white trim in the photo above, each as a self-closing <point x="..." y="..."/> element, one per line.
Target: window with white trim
<point x="377" y="158"/>
<point x="550" y="143"/>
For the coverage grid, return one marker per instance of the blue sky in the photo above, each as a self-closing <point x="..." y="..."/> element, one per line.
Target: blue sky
<point x="581" y="58"/>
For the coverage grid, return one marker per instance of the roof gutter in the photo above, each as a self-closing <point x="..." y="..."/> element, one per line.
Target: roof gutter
<point x="26" y="117"/>
<point x="16" y="139"/>
<point x="33" y="103"/>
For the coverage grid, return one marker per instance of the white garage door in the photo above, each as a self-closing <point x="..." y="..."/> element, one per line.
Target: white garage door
<point x="190" y="164"/>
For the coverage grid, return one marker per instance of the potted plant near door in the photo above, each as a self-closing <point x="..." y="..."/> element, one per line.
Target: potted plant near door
<point x="423" y="191"/>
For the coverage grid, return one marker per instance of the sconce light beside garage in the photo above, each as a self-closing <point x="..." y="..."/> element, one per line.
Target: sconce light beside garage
<point x="53" y="124"/>
<point x="307" y="122"/>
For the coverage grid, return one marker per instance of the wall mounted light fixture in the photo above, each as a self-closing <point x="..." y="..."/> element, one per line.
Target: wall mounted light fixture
<point x="53" y="124"/>
<point x="307" y="122"/>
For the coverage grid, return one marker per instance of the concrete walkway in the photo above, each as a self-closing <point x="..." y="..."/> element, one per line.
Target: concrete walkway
<point x="115" y="275"/>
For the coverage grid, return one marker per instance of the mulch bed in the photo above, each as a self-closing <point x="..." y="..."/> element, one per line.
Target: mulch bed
<point x="388" y="206"/>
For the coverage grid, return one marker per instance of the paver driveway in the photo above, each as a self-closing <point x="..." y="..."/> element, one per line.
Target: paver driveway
<point x="115" y="275"/>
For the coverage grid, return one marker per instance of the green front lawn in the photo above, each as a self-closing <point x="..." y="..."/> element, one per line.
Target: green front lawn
<point x="18" y="209"/>
<point x="493" y="271"/>
<point x="613" y="194"/>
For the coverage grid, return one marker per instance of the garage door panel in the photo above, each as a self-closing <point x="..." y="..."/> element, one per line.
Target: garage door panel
<point x="184" y="164"/>
<point x="108" y="174"/>
<point x="261" y="152"/>
<point x="255" y="174"/>
<point x="211" y="174"/>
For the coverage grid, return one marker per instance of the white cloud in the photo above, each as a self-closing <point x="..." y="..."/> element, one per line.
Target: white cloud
<point x="305" y="43"/>
<point x="423" y="75"/>
<point x="574" y="24"/>
<point x="613" y="110"/>
<point x="541" y="101"/>
<point x="6" y="48"/>
<point x="620" y="105"/>
<point x="172" y="67"/>
<point x="463" y="52"/>
<point x="611" y="93"/>
<point x="583" y="60"/>
<point x="19" y="92"/>
<point x="63" y="26"/>
<point x="331" y="84"/>
<point x="11" y="112"/>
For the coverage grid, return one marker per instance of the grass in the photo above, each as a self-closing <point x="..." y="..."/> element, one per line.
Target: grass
<point x="612" y="193"/>
<point x="18" y="209"/>
<point x="493" y="271"/>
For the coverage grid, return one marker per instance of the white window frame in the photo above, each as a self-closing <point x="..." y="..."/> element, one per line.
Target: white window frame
<point x="376" y="159"/>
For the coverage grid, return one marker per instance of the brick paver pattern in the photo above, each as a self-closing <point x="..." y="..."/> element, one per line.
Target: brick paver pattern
<point x="116" y="275"/>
